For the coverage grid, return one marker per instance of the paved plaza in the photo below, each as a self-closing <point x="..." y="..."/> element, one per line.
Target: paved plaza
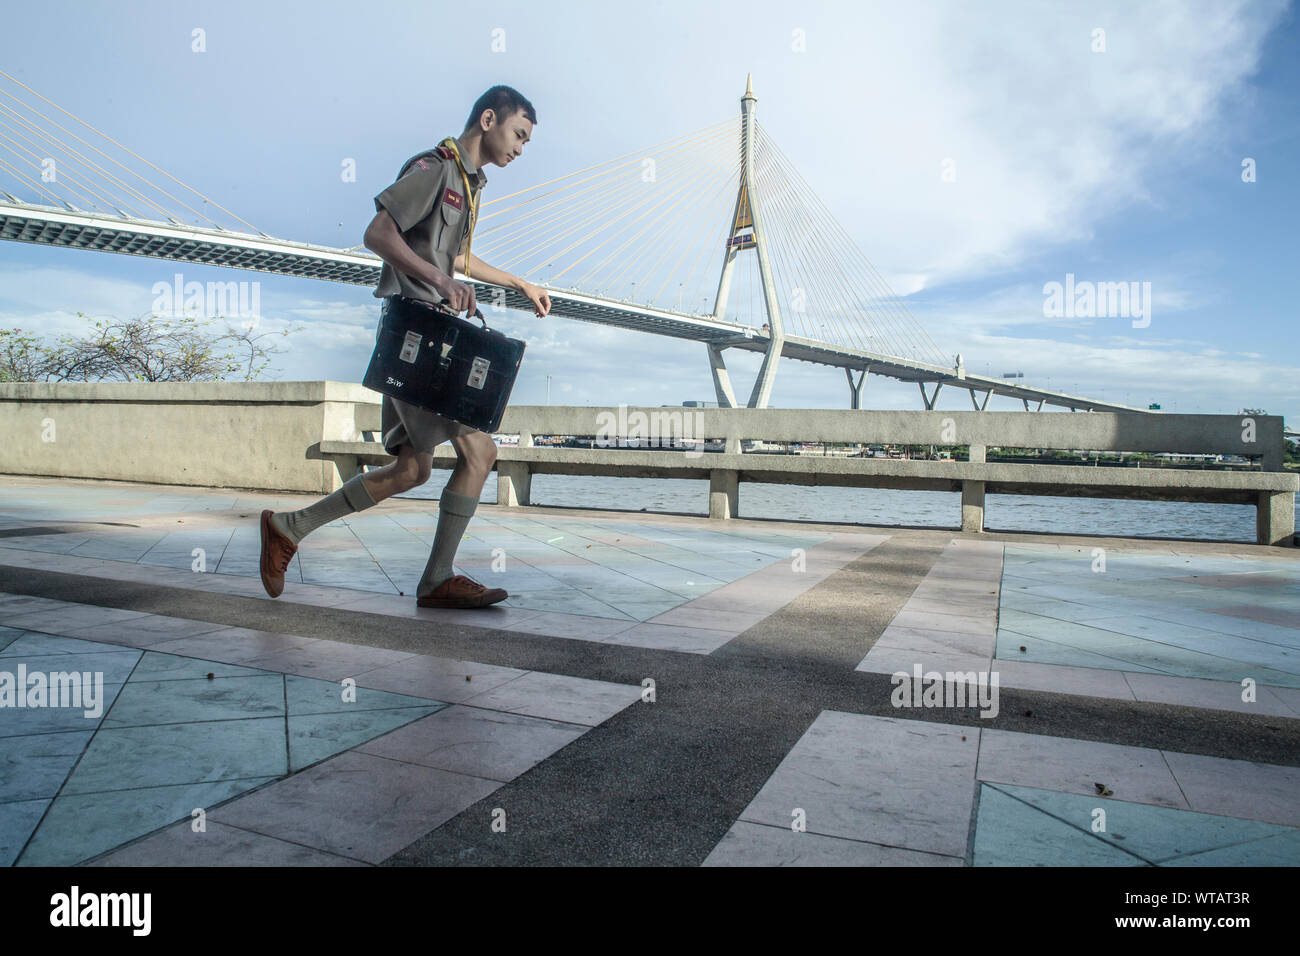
<point x="657" y="689"/>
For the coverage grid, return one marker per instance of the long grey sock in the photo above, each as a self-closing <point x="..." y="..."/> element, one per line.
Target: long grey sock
<point x="296" y="525"/>
<point x="454" y="512"/>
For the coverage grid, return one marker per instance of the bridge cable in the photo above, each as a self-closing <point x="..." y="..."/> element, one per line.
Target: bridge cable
<point x="120" y="146"/>
<point x="693" y="184"/>
<point x="599" y="204"/>
<point x="58" y="144"/>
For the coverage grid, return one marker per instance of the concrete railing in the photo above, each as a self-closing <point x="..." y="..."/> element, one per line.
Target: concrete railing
<point x="257" y="435"/>
<point x="1271" y="490"/>
<point x="312" y="436"/>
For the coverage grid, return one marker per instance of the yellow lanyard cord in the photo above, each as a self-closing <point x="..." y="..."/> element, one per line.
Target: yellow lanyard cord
<point x="450" y="143"/>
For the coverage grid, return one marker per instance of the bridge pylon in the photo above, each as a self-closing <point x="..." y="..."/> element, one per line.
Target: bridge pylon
<point x="746" y="232"/>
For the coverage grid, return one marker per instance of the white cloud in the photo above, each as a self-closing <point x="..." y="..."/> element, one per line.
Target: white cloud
<point x="1047" y="137"/>
<point x="953" y="318"/>
<point x="1179" y="377"/>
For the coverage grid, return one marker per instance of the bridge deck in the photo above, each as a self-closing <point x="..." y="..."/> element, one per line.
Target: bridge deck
<point x="76" y="229"/>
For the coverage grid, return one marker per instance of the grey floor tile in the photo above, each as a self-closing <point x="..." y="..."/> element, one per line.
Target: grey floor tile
<point x="834" y="775"/>
<point x="438" y="678"/>
<point x="233" y="645"/>
<point x="476" y="742"/>
<point x="218" y="845"/>
<point x="1238" y="788"/>
<point x="735" y="621"/>
<point x="357" y="805"/>
<point x="670" y="637"/>
<point x="1137" y="774"/>
<point x="556" y="697"/>
<point x="753" y="844"/>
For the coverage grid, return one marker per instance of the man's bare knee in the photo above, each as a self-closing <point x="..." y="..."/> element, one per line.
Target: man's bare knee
<point x="417" y="471"/>
<point x="477" y="451"/>
<point x="410" y="469"/>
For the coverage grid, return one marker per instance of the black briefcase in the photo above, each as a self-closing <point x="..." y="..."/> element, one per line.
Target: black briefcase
<point x="428" y="356"/>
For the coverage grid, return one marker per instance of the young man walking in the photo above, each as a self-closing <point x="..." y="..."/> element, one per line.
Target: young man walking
<point x="422" y="230"/>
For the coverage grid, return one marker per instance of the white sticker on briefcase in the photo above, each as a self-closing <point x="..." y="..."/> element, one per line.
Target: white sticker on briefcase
<point x="478" y="372"/>
<point x="410" y="346"/>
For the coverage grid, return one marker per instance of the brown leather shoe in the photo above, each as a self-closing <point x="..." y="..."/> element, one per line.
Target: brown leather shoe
<point x="460" y="591"/>
<point x="277" y="552"/>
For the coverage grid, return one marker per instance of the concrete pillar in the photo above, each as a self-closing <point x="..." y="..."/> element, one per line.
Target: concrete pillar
<point x="929" y="400"/>
<point x="1275" y="518"/>
<point x="721" y="380"/>
<point x="972" y="506"/>
<point x="767" y="372"/>
<point x="348" y="467"/>
<point x="514" y="483"/>
<point x="724" y="493"/>
<point x="515" y="478"/>
<point x="855" y="388"/>
<point x="978" y="453"/>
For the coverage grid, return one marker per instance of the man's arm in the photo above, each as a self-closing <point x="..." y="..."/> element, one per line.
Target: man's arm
<point x="481" y="270"/>
<point x="384" y="240"/>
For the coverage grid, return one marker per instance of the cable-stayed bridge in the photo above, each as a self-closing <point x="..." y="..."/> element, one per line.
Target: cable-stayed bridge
<point x="712" y="237"/>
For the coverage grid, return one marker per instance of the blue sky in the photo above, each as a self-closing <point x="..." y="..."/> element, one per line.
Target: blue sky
<point x="1114" y="165"/>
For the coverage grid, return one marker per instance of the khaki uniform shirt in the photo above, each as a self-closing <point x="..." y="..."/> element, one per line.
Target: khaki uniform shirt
<point x="433" y="215"/>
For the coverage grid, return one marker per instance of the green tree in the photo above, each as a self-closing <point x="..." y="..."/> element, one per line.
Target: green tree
<point x="22" y="357"/>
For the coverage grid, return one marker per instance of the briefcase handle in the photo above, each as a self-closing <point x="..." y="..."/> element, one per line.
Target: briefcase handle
<point x="477" y="314"/>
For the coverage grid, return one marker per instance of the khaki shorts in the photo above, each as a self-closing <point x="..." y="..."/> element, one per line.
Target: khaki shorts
<point x="401" y="423"/>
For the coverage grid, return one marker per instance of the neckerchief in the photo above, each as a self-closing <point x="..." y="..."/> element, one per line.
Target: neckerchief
<point x="450" y="143"/>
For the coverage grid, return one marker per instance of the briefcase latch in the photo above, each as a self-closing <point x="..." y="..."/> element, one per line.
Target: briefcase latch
<point x="448" y="342"/>
<point x="410" y="346"/>
<point x="478" y="372"/>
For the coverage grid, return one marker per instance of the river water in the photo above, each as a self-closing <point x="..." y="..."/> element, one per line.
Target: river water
<point x="885" y="506"/>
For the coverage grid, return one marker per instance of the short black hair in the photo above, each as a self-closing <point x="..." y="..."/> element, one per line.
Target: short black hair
<point x="504" y="102"/>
